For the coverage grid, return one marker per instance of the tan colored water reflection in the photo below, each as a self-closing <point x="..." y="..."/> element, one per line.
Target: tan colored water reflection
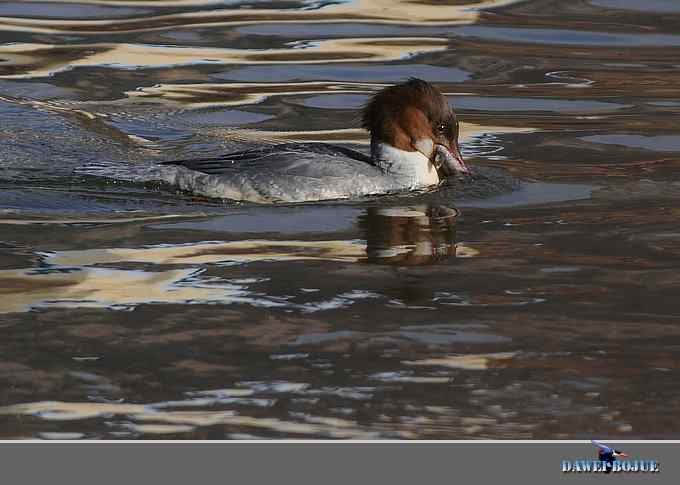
<point x="22" y="290"/>
<point x="39" y="60"/>
<point x="182" y="421"/>
<point x="347" y="135"/>
<point x="371" y="11"/>
<point x="82" y="285"/>
<point x="206" y="95"/>
<point x="93" y="277"/>
<point x="204" y="253"/>
<point x="467" y="361"/>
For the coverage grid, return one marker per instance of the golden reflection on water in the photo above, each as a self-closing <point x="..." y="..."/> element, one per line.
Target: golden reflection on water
<point x="23" y="290"/>
<point x="206" y="95"/>
<point x="467" y="361"/>
<point x="346" y="135"/>
<point x="39" y="60"/>
<point x="82" y="285"/>
<point x="402" y="12"/>
<point x="182" y="421"/>
<point x="236" y="251"/>
<point x="413" y="235"/>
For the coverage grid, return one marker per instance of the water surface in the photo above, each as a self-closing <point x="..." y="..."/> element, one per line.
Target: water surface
<point x="540" y="303"/>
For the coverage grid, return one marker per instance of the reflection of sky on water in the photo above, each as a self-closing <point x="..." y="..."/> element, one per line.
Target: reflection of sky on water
<point x="351" y="72"/>
<point x="533" y="193"/>
<point x="533" y="104"/>
<point x="567" y="37"/>
<point x="283" y="221"/>
<point x="375" y="11"/>
<point x="477" y="103"/>
<point x="75" y="11"/>
<point x="657" y="143"/>
<point x="320" y="31"/>
<point x="655" y="6"/>
<point x="42" y="60"/>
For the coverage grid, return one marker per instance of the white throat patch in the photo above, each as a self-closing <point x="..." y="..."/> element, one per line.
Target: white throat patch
<point x="411" y="168"/>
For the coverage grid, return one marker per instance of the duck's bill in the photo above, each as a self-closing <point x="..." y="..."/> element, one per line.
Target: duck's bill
<point x="451" y="163"/>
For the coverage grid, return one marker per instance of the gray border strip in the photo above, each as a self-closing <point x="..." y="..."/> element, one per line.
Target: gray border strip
<point x="320" y="462"/>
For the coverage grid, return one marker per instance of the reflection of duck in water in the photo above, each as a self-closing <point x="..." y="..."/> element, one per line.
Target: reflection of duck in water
<point x="410" y="235"/>
<point x="414" y="145"/>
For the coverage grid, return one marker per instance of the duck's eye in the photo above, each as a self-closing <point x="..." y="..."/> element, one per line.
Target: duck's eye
<point x="441" y="128"/>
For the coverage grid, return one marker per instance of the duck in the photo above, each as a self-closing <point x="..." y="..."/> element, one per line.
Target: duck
<point x="413" y="147"/>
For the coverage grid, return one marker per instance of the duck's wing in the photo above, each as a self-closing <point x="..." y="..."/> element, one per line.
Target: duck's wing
<point x="282" y="157"/>
<point x="293" y="172"/>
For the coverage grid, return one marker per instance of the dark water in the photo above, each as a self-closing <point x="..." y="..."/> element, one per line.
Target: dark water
<point x="545" y="309"/>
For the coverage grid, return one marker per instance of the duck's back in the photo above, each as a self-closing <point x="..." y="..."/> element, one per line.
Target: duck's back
<point x="291" y="172"/>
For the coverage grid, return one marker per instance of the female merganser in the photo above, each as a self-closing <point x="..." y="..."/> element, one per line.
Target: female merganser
<point x="414" y="145"/>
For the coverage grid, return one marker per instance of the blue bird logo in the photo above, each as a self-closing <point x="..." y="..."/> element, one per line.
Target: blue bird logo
<point x="608" y="455"/>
